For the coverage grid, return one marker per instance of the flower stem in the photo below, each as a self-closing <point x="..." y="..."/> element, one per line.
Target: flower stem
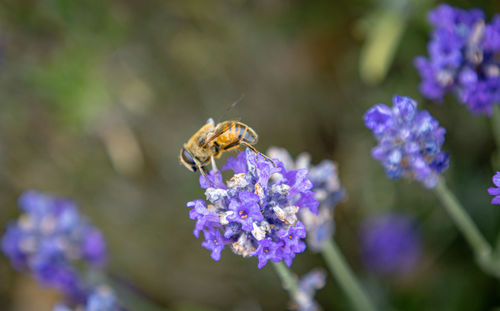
<point x="344" y="276"/>
<point x="496" y="134"/>
<point x="130" y="299"/>
<point x="496" y="250"/>
<point x="476" y="240"/>
<point x="288" y="279"/>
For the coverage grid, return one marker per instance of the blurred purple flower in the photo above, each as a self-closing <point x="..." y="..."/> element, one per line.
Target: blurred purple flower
<point x="463" y="58"/>
<point x="409" y="141"/>
<point x="328" y="192"/>
<point x="307" y="287"/>
<point x="101" y="299"/>
<point x="495" y="191"/>
<point x="390" y="244"/>
<point x="49" y="239"/>
<point x="252" y="212"/>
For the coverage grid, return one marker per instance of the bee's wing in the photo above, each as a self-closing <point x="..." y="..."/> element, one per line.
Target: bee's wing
<point x="219" y="130"/>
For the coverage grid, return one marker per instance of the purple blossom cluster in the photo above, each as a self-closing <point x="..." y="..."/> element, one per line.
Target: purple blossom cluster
<point x="254" y="212"/>
<point x="409" y="141"/>
<point x="307" y="287"/>
<point x="328" y="192"/>
<point x="49" y="239"/>
<point x="390" y="244"/>
<point x="101" y="299"/>
<point x="495" y="191"/>
<point x="463" y="58"/>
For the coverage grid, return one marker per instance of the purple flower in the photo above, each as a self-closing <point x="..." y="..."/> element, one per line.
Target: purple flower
<point x="214" y="241"/>
<point x="255" y="211"/>
<point x="450" y="18"/>
<point x="495" y="191"/>
<point x="214" y="179"/>
<point x="292" y="242"/>
<point x="390" y="244"/>
<point x="409" y="141"/>
<point x="61" y="307"/>
<point x="62" y="277"/>
<point x="245" y="210"/>
<point x="204" y="217"/>
<point x="269" y="250"/>
<point x="49" y="239"/>
<point x="101" y="299"/>
<point x="94" y="247"/>
<point x="492" y="34"/>
<point x="307" y="287"/>
<point x="463" y="58"/>
<point x="327" y="190"/>
<point x="292" y="238"/>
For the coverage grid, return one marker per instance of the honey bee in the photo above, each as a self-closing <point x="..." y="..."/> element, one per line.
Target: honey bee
<point x="211" y="140"/>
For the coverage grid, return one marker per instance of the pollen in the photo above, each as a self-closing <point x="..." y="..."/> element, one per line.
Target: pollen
<point x="259" y="191"/>
<point x="243" y="214"/>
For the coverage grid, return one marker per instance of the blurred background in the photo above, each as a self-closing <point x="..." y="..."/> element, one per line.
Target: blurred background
<point x="97" y="98"/>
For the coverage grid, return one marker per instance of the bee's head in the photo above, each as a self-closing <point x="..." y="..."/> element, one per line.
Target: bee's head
<point x="187" y="159"/>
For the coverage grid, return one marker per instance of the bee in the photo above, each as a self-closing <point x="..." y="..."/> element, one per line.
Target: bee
<point x="211" y="140"/>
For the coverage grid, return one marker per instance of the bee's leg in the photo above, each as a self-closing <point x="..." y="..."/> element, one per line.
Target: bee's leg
<point x="256" y="151"/>
<point x="202" y="171"/>
<point x="214" y="165"/>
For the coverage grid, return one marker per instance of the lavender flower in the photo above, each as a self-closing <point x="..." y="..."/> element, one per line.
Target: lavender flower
<point x="307" y="287"/>
<point x="49" y="238"/>
<point x="101" y="299"/>
<point x="463" y="58"/>
<point x="409" y="141"/>
<point x="252" y="213"/>
<point x="495" y="191"/>
<point x="328" y="192"/>
<point x="390" y="244"/>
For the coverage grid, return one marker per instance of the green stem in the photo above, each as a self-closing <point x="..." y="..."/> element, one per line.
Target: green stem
<point x="344" y="276"/>
<point x="130" y="299"/>
<point x="476" y="240"/>
<point x="496" y="250"/>
<point x="288" y="279"/>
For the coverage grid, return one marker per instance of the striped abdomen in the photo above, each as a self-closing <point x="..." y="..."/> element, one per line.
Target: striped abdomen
<point x="231" y="134"/>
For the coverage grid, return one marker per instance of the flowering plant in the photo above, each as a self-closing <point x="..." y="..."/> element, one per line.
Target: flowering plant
<point x="462" y="58"/>
<point x="50" y="238"/>
<point x="495" y="190"/>
<point x="409" y="141"/>
<point x="327" y="190"/>
<point x="255" y="212"/>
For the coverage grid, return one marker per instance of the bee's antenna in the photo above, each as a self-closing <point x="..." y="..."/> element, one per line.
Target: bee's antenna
<point x="236" y="102"/>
